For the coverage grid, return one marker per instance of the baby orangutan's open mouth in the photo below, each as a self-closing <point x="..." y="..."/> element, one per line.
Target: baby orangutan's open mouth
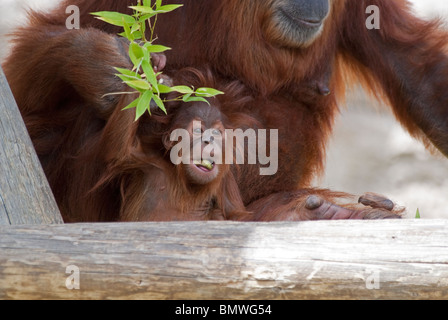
<point x="204" y="165"/>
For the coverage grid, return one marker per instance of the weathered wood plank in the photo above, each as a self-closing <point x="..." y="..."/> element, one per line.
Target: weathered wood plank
<point x="25" y="196"/>
<point x="223" y="260"/>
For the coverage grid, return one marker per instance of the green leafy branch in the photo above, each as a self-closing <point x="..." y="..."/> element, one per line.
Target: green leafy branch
<point x="142" y="78"/>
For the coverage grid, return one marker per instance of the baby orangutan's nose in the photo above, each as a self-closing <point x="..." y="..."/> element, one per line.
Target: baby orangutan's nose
<point x="208" y="138"/>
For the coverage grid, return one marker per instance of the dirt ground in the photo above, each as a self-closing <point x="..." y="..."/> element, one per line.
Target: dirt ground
<point x="369" y="150"/>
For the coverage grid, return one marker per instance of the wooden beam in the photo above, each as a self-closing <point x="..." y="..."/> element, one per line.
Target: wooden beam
<point x="405" y="259"/>
<point x="25" y="196"/>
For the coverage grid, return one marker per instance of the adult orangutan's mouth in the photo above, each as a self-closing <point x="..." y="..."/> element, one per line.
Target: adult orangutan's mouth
<point x="310" y="23"/>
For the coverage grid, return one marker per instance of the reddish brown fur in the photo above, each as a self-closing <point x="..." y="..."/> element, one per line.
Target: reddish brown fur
<point x="154" y="189"/>
<point x="49" y="72"/>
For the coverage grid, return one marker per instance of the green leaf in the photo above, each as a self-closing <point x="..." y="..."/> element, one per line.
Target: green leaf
<point x="128" y="73"/>
<point x="156" y="48"/>
<point x="158" y="4"/>
<point x="164" y="89"/>
<point x="185" y="97"/>
<point x="150" y="75"/>
<point x="159" y="103"/>
<point x="144" y="9"/>
<point x="138" y="84"/>
<point x="161" y="9"/>
<point x="145" y="17"/>
<point x="135" y="53"/>
<point x="133" y="104"/>
<point x="127" y="31"/>
<point x="183" y="89"/>
<point x="194" y="99"/>
<point x="125" y="78"/>
<point x="114" y="18"/>
<point x="137" y="35"/>
<point x="146" y="55"/>
<point x="207" y="92"/>
<point x="136" y="50"/>
<point x="135" y="27"/>
<point x="144" y="104"/>
<point x="168" y="8"/>
<point x="142" y="27"/>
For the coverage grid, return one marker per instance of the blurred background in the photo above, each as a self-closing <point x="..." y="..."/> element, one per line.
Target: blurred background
<point x="369" y="150"/>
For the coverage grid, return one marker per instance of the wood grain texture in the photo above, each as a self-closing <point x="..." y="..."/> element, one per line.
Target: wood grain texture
<point x="25" y="196"/>
<point x="226" y="260"/>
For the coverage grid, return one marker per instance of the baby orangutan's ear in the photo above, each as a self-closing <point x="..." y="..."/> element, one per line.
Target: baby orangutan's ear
<point x="167" y="143"/>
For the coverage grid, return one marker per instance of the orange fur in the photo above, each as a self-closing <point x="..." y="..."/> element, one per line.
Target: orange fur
<point x="83" y="139"/>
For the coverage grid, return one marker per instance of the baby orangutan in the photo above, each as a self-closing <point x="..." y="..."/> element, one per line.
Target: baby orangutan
<point x="187" y="178"/>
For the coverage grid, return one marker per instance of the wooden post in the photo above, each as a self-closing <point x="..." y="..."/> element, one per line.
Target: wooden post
<point x="25" y="196"/>
<point x="405" y="259"/>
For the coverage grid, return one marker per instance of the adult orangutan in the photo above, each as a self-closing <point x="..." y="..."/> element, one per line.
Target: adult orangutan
<point x="295" y="58"/>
